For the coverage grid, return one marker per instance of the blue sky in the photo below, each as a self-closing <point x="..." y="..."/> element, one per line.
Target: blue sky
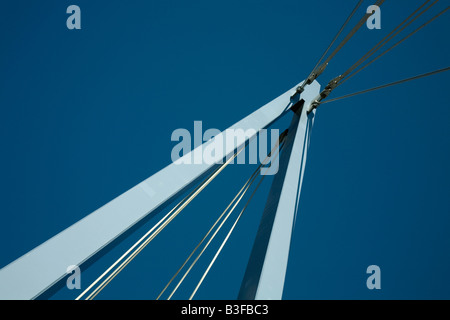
<point x="87" y="114"/>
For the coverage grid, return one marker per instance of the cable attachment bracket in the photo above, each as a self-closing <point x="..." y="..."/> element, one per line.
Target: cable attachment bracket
<point x="313" y="76"/>
<point x="325" y="93"/>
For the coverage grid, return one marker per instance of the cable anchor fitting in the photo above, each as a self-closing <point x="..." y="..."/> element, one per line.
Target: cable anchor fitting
<point x="313" y="76"/>
<point x="325" y="93"/>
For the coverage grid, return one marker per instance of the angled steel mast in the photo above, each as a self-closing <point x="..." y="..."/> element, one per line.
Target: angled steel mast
<point x="266" y="270"/>
<point x="35" y="272"/>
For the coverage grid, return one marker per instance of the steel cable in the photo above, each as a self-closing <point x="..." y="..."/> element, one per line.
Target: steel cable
<point x="151" y="234"/>
<point x="387" y="85"/>
<point x="236" y="201"/>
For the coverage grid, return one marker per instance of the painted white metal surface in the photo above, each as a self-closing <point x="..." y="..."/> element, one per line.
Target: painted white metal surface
<point x="266" y="270"/>
<point x="35" y="272"/>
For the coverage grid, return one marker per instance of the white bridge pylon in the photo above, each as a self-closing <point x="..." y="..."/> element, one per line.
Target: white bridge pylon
<point x="266" y="270"/>
<point x="38" y="270"/>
